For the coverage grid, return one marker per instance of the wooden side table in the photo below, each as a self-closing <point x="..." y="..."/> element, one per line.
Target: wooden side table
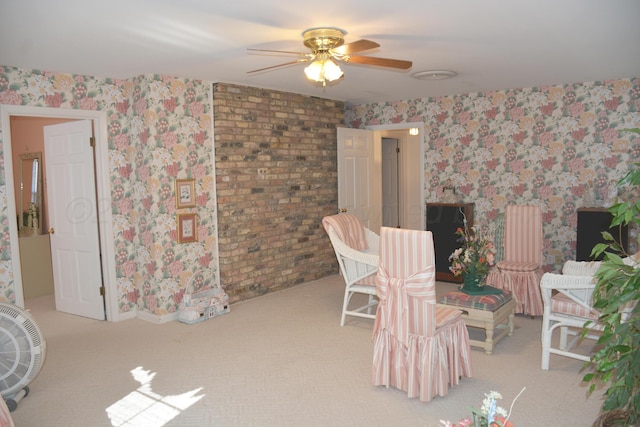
<point x="492" y="313"/>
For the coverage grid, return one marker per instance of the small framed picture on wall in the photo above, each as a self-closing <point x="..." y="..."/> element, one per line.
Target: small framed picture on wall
<point x="185" y="193"/>
<point x="187" y="228"/>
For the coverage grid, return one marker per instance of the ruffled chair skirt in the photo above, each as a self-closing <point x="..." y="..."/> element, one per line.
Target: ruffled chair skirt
<point x="426" y="366"/>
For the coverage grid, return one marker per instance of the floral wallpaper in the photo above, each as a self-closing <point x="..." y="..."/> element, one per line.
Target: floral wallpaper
<point x="546" y="146"/>
<point x="159" y="129"/>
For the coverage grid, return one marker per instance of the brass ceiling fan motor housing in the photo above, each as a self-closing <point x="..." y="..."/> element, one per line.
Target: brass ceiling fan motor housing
<point x="323" y="39"/>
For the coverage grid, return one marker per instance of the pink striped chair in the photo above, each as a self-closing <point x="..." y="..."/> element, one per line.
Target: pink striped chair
<point x="521" y="269"/>
<point x="420" y="348"/>
<point x="356" y="249"/>
<point x="5" y="417"/>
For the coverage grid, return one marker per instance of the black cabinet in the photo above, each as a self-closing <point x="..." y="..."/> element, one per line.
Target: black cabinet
<point x="591" y="223"/>
<point x="443" y="219"/>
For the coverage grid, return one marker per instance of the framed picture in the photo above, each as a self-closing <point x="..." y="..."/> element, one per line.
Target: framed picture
<point x="187" y="228"/>
<point x="185" y="193"/>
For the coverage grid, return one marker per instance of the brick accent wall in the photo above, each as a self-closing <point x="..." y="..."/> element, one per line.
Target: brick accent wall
<point x="276" y="177"/>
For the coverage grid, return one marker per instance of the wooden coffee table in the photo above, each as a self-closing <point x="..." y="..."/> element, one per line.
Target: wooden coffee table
<point x="491" y="313"/>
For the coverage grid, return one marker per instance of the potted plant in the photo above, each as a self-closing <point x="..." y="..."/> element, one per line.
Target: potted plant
<point x="616" y="364"/>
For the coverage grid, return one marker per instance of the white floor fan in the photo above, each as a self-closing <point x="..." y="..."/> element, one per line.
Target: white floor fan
<point x="22" y="353"/>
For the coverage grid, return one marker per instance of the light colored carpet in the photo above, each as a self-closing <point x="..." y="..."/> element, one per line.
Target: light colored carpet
<point x="277" y="360"/>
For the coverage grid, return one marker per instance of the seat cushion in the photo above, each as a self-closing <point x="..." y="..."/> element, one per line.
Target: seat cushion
<point x="562" y="304"/>
<point x="349" y="229"/>
<point x="478" y="302"/>
<point x="517" y="266"/>
<point x="444" y="315"/>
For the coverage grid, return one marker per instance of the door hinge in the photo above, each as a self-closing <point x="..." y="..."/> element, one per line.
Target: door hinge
<point x="397" y="149"/>
<point x="92" y="141"/>
<point x="101" y="291"/>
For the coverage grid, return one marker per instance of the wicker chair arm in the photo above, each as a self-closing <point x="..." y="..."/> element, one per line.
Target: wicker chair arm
<point x="580" y="268"/>
<point x="373" y="241"/>
<point x="564" y="281"/>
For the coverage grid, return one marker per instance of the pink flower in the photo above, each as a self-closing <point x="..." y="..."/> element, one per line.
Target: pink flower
<point x="547" y="109"/>
<point x="124" y="171"/>
<point x="152" y="303"/>
<point x="122" y="107"/>
<point x="88" y="104"/>
<point x="54" y="100"/>
<point x="151" y="268"/>
<point x="121" y="141"/>
<point x="196" y="109"/>
<point x="170" y="104"/>
<point x="129" y="268"/>
<point x="491" y="114"/>
<point x="176" y="268"/>
<point x="204" y="260"/>
<point x="576" y="109"/>
<point x="199" y="171"/>
<point x="612" y="104"/>
<point x="169" y="139"/>
<point x="128" y="234"/>
<point x="133" y="296"/>
<point x="10" y="97"/>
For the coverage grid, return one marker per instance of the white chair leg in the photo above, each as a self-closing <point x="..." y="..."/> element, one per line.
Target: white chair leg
<point x="546" y="343"/>
<point x="345" y="304"/>
<point x="564" y="333"/>
<point x="371" y="304"/>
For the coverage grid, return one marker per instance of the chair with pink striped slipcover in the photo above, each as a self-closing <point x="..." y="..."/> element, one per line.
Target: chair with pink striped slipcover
<point x="420" y="347"/>
<point x="568" y="306"/>
<point x="5" y="417"/>
<point x="520" y="270"/>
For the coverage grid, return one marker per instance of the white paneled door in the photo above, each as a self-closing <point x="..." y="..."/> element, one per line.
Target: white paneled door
<point x="359" y="181"/>
<point x="73" y="219"/>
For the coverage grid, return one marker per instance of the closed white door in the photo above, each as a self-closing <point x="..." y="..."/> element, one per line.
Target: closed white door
<point x="359" y="176"/>
<point x="73" y="219"/>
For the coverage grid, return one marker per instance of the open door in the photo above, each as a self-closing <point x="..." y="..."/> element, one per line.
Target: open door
<point x="73" y="219"/>
<point x="391" y="182"/>
<point x="359" y="176"/>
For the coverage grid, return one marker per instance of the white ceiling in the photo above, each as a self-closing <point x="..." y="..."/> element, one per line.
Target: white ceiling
<point x="491" y="44"/>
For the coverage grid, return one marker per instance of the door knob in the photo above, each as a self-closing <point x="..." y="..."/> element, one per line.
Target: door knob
<point x="52" y="231"/>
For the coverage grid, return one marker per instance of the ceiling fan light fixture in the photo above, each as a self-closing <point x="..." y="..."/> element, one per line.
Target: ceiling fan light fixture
<point x="322" y="70"/>
<point x="434" y="75"/>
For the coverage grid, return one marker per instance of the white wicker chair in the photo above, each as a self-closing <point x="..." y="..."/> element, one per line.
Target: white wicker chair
<point x="567" y="299"/>
<point x="356" y="249"/>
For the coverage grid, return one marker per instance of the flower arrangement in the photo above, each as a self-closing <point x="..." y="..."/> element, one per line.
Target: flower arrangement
<point x="489" y="415"/>
<point x="474" y="258"/>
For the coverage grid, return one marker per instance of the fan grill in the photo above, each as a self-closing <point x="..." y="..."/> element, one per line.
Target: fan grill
<point x="22" y="349"/>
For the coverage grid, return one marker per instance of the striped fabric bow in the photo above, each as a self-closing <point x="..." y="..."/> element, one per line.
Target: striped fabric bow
<point x="394" y="294"/>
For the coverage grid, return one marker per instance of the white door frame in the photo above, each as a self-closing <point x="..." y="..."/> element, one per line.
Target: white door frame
<point x="103" y="187"/>
<point x="406" y="126"/>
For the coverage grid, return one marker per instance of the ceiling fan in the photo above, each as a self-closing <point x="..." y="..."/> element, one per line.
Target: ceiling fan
<point x="327" y="47"/>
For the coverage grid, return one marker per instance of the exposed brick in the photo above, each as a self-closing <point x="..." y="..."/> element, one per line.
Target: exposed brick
<point x="276" y="177"/>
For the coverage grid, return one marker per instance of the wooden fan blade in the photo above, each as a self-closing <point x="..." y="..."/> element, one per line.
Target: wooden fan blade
<point x="277" y="51"/>
<point x="357" y="46"/>
<point x="381" y="62"/>
<point x="277" y="66"/>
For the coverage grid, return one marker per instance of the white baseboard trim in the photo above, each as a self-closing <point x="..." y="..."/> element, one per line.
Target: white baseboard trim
<point x="157" y="319"/>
